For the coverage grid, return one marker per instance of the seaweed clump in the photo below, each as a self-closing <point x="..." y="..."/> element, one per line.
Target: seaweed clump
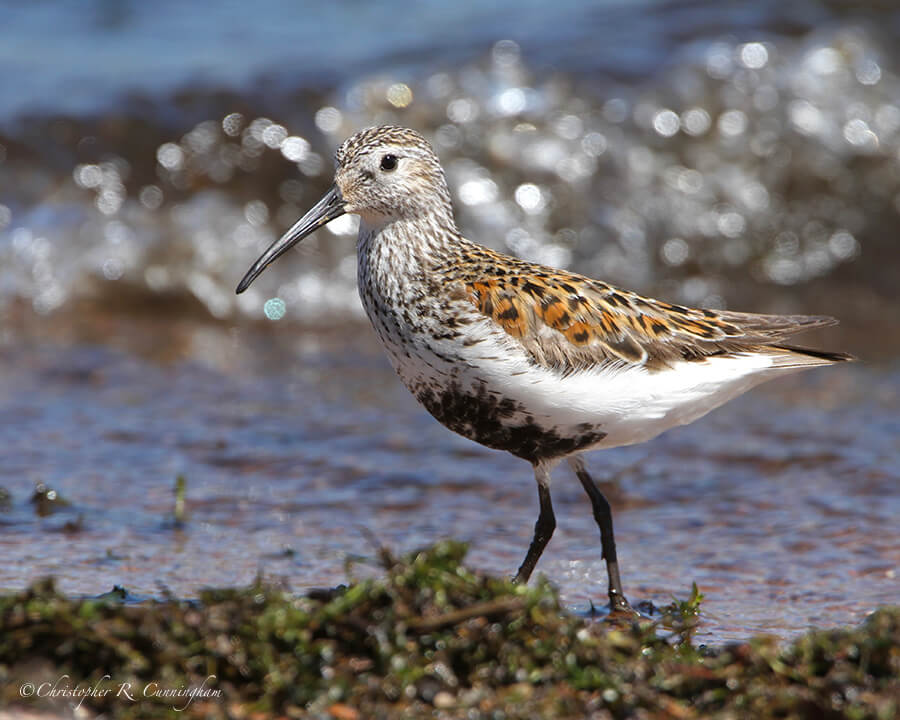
<point x="429" y="638"/>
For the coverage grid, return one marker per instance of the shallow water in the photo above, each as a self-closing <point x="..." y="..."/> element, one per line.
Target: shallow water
<point x="740" y="155"/>
<point x="300" y="446"/>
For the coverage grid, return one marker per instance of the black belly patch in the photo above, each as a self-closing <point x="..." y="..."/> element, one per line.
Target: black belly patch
<point x="501" y="423"/>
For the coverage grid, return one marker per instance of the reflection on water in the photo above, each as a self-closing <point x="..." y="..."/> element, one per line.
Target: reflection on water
<point x="758" y="173"/>
<point x="299" y="446"/>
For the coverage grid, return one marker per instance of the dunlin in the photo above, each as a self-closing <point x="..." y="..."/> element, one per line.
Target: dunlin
<point x="543" y="363"/>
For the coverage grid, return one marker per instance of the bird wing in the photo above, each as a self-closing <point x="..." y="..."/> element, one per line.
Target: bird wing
<point x="570" y="322"/>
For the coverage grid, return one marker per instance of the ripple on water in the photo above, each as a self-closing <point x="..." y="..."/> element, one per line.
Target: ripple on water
<point x="743" y="168"/>
<point x="785" y="517"/>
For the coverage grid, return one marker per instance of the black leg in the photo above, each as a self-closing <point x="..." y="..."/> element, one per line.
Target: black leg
<point x="543" y="528"/>
<point x="603" y="517"/>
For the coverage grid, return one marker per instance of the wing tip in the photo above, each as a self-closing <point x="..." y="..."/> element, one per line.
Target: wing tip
<point x="776" y="324"/>
<point x="809" y="322"/>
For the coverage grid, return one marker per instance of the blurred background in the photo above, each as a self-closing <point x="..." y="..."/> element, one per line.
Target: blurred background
<point x="741" y="155"/>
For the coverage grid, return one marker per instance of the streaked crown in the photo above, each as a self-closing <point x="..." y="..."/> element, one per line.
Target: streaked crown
<point x="389" y="172"/>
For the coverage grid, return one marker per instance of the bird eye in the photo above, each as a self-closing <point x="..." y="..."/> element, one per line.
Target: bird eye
<point x="389" y="162"/>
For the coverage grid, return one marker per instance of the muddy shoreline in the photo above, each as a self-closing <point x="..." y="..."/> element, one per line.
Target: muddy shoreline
<point x="428" y="638"/>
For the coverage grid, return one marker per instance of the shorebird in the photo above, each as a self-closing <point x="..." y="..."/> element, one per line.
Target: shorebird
<point x="543" y="363"/>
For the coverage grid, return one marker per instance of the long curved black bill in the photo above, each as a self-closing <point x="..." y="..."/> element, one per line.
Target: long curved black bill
<point x="323" y="212"/>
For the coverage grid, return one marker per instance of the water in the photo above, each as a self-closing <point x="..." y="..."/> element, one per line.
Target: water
<point x="782" y="506"/>
<point x="114" y="47"/>
<point x="741" y="156"/>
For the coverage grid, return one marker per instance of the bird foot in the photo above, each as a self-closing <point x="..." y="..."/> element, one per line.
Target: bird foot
<point x="618" y="603"/>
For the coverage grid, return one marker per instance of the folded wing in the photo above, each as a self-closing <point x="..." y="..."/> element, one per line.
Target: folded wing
<point x="570" y="322"/>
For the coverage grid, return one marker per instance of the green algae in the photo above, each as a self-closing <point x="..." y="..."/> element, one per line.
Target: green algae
<point x="430" y="638"/>
<point x="5" y="499"/>
<point x="179" y="515"/>
<point x="46" y="500"/>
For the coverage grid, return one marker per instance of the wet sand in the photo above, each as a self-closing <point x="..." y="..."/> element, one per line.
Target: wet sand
<point x="299" y="446"/>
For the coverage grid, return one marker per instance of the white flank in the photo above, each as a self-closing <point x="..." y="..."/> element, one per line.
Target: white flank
<point x="631" y="404"/>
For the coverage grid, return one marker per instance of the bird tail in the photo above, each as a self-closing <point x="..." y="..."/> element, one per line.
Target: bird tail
<point x="791" y="356"/>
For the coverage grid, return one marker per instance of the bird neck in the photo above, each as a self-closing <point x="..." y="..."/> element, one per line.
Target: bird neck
<point x="422" y="242"/>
